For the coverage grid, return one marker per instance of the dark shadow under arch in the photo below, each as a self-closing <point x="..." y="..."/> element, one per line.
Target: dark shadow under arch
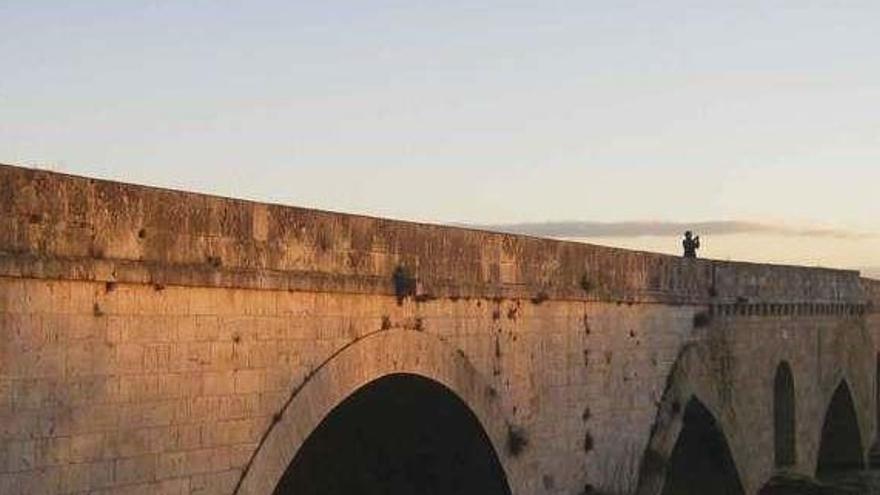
<point x="400" y="434"/>
<point x="840" y="448"/>
<point x="701" y="462"/>
<point x="784" y="433"/>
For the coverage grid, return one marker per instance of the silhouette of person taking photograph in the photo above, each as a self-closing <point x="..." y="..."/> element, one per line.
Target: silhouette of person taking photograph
<point x="691" y="244"/>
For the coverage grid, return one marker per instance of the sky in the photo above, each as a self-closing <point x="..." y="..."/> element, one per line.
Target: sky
<point x="484" y="113"/>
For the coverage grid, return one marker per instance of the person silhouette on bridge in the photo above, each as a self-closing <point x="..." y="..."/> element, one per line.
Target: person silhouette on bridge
<point x="691" y="244"/>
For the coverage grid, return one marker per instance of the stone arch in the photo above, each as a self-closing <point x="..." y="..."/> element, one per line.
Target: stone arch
<point x="840" y="446"/>
<point x="784" y="417"/>
<point x="365" y="360"/>
<point x="686" y="418"/>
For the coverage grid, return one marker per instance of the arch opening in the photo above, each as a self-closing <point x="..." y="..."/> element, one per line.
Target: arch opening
<point x="701" y="461"/>
<point x="784" y="417"/>
<point x="400" y="434"/>
<point x="840" y="449"/>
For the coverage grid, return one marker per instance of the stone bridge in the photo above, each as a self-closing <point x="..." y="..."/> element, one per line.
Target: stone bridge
<point x="156" y="341"/>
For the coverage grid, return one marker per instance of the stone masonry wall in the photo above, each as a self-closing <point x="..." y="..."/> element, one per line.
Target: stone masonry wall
<point x="156" y="341"/>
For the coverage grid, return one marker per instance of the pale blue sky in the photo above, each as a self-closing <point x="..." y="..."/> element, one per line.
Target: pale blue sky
<point x="448" y="111"/>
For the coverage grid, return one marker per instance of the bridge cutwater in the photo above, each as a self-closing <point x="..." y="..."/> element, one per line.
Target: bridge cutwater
<point x="165" y="342"/>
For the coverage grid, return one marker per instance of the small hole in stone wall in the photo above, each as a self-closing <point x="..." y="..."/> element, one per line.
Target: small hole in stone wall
<point x="512" y="313"/>
<point x="158" y="287"/>
<point x="109" y="287"/>
<point x="404" y="284"/>
<point x="386" y="322"/>
<point x="588" y="490"/>
<point x="496" y="314"/>
<point x="96" y="252"/>
<point x="516" y="441"/>
<point x="586" y="283"/>
<point x="702" y="319"/>
<point x="142" y="234"/>
<point x="588" y="443"/>
<point x="540" y="298"/>
<point x="426" y="297"/>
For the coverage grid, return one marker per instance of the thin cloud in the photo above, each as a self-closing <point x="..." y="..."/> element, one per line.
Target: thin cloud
<point x="652" y="228"/>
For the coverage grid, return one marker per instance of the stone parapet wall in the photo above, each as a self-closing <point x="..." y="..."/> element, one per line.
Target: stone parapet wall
<point x="872" y="293"/>
<point x="65" y="227"/>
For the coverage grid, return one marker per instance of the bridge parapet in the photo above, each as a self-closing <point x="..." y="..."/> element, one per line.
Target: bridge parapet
<point x="59" y="226"/>
<point x="872" y="293"/>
